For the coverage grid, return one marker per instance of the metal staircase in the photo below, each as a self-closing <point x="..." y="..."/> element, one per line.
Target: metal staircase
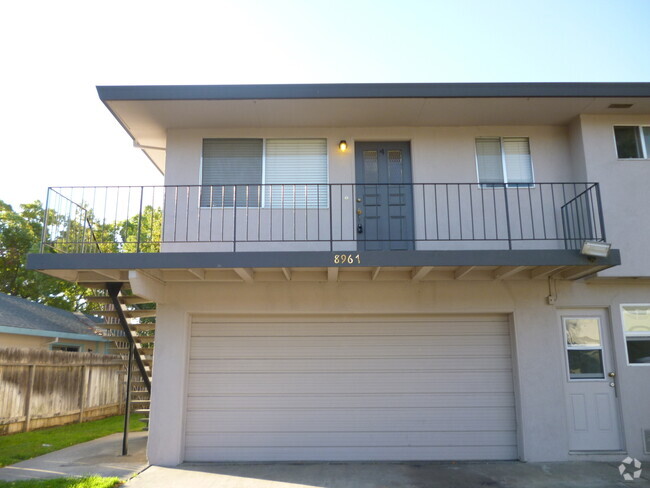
<point x="132" y="330"/>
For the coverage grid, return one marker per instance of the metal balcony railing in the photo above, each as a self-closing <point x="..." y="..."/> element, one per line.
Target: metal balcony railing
<point x="257" y="217"/>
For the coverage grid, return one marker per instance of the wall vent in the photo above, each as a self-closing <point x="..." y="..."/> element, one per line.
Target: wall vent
<point x="646" y="441"/>
<point x="620" y="105"/>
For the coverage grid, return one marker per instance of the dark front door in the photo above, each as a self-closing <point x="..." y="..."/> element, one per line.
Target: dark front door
<point x="384" y="196"/>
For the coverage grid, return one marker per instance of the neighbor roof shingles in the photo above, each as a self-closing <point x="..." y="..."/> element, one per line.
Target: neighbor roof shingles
<point x="25" y="314"/>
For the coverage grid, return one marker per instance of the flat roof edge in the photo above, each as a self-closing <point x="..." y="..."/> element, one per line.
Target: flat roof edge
<point x="373" y="90"/>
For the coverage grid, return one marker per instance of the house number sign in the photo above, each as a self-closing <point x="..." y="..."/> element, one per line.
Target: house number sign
<point x="347" y="259"/>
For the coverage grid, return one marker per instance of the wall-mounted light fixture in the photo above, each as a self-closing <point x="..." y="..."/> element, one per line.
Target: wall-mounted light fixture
<point x="595" y="249"/>
<point x="343" y="145"/>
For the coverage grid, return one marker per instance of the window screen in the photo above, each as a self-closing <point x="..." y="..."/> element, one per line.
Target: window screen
<point x="232" y="169"/>
<point x="489" y="160"/>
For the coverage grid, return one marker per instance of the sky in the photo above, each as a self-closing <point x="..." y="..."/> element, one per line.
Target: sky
<point x="54" y="131"/>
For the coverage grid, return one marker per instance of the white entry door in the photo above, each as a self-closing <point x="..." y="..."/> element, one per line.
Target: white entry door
<point x="592" y="403"/>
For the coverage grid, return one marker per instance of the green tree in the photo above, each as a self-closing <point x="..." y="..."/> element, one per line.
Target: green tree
<point x="148" y="228"/>
<point x="20" y="234"/>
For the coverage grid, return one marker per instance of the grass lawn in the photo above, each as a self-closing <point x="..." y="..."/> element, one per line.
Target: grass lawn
<point x="26" y="445"/>
<point x="89" y="482"/>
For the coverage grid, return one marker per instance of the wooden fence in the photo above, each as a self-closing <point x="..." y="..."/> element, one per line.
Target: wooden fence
<point x="40" y="388"/>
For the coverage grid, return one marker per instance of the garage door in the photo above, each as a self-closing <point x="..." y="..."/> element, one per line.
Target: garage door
<point x="426" y="388"/>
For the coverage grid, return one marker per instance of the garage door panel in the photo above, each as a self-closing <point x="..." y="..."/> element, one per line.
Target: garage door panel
<point x="285" y="365"/>
<point x="310" y="351"/>
<point x="253" y="383"/>
<point x="311" y="329"/>
<point x="368" y="439"/>
<point x="415" y="400"/>
<point x="351" y="420"/>
<point x="327" y="342"/>
<point x="410" y="453"/>
<point x="376" y="389"/>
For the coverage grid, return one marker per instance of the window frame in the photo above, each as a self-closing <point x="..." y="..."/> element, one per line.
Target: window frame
<point x="568" y="348"/>
<point x="263" y="203"/>
<point x="505" y="183"/>
<point x="645" y="151"/>
<point x="632" y="334"/>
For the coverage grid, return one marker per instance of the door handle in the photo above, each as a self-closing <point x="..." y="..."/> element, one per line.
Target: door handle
<point x="611" y="374"/>
<point x="359" y="211"/>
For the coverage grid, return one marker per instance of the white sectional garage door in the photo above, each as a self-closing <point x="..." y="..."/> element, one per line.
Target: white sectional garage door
<point x="389" y="388"/>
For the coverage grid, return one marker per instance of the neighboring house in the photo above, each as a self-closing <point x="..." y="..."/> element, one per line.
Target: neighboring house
<point x="28" y="324"/>
<point x="383" y="272"/>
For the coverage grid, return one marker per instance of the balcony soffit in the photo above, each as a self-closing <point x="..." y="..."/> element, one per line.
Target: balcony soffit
<point x="148" y="121"/>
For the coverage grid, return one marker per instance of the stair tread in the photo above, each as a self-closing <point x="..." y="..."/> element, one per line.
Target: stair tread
<point x="125" y="299"/>
<point x="127" y="313"/>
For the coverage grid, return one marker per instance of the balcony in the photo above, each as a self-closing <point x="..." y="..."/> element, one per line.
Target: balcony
<point x="447" y="226"/>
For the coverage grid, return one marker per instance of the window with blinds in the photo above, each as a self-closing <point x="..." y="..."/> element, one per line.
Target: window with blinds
<point x="232" y="171"/>
<point x="504" y="160"/>
<point x="280" y="173"/>
<point x="296" y="173"/>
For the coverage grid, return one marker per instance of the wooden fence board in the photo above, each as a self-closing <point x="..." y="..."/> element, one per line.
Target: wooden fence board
<point x="41" y="388"/>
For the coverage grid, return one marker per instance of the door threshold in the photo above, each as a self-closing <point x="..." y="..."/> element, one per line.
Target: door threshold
<point x="587" y="453"/>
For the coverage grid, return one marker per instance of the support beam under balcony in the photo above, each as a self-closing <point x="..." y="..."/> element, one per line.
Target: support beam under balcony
<point x="332" y="274"/>
<point x="245" y="274"/>
<point x="507" y="271"/>
<point x="420" y="272"/>
<point x="462" y="273"/>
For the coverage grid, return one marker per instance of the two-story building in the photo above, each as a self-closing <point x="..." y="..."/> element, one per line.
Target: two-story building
<point x="383" y="272"/>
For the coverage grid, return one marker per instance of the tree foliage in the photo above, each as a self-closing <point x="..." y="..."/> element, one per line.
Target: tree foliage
<point x="21" y="233"/>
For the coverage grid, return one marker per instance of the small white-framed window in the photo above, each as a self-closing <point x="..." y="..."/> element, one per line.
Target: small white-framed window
<point x="584" y="348"/>
<point x="636" y="328"/>
<point x="632" y="141"/>
<point x="504" y="161"/>
<point x="273" y="173"/>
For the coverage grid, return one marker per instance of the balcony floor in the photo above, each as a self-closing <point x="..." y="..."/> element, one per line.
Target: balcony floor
<point x="250" y="267"/>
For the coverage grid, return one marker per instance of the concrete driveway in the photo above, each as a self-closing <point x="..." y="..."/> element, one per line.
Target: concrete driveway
<point x="101" y="456"/>
<point x="388" y="475"/>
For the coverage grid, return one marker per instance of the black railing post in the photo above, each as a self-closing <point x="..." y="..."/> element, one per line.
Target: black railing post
<point x="505" y="196"/>
<point x="331" y="223"/>
<point x="601" y="217"/>
<point x="44" y="232"/>
<point x="137" y="248"/>
<point x="234" y="218"/>
<point x="127" y="402"/>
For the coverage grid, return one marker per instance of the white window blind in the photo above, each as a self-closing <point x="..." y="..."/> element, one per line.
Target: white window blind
<point x="295" y="173"/>
<point x="231" y="167"/>
<point x="517" y="156"/>
<point x="489" y="160"/>
<point x="504" y="160"/>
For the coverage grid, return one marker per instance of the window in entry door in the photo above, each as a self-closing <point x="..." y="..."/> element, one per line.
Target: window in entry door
<point x="584" y="348"/>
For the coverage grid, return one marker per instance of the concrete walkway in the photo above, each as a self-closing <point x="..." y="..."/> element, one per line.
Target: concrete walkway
<point x="388" y="475"/>
<point x="101" y="456"/>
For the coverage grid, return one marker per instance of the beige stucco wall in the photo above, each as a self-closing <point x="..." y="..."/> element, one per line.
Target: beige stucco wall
<point x="439" y="155"/>
<point x="37" y="342"/>
<point x="624" y="187"/>
<point x="537" y="336"/>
